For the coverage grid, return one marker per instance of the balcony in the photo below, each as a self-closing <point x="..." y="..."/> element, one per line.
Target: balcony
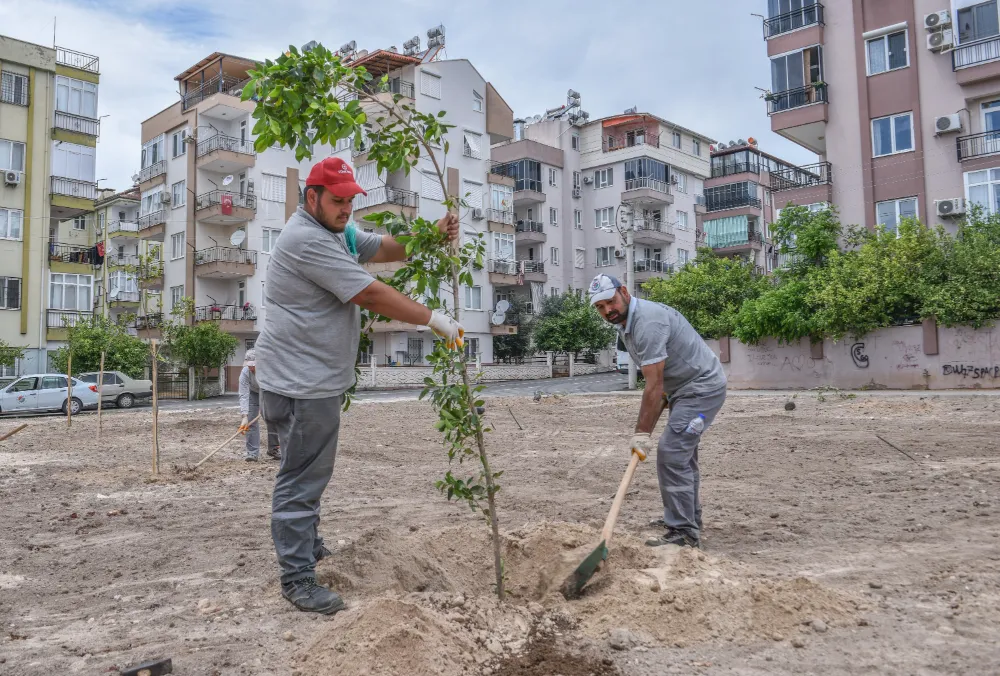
<point x="807" y="176"/>
<point x="123" y="298"/>
<point x="502" y="272"/>
<point x="151" y="226"/>
<point x="78" y="60"/>
<point x="151" y="276"/>
<point x="70" y="258"/>
<point x="733" y="242"/>
<point x="77" y="124"/>
<point x="648" y="268"/>
<point x="115" y="260"/>
<point x="500" y="220"/>
<point x="528" y="191"/>
<point x="383" y="198"/>
<point x="224" y="262"/>
<point x="652" y="231"/>
<point x="630" y="138"/>
<point x="529" y="232"/>
<point x="733" y="168"/>
<point x="647" y="190"/>
<point x="225" y="154"/>
<point x="976" y="61"/>
<point x="977" y="145"/>
<point x="221" y="207"/>
<point x="58" y="321"/>
<point x="123" y="228"/>
<point x="810" y="15"/>
<point x="71" y="197"/>
<point x="727" y="202"/>
<point x="220" y="84"/>
<point x="498" y="174"/>
<point x="231" y="318"/>
<point x="151" y="175"/>
<point x="800" y="115"/>
<point x="533" y="271"/>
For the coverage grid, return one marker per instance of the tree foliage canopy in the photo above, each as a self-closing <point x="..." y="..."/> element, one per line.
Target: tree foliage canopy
<point x="87" y="339"/>
<point x="568" y="323"/>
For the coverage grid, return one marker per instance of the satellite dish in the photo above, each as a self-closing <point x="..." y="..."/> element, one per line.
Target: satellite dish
<point x="503" y="306"/>
<point x="237" y="237"/>
<point x="497" y="318"/>
<point x="227" y="180"/>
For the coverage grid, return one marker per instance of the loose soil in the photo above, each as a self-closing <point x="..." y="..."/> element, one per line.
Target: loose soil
<point x="826" y="550"/>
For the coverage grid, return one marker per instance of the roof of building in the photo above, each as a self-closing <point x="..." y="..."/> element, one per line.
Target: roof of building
<point x="624" y="118"/>
<point x="384" y="60"/>
<point x="212" y="58"/>
<point x="129" y="195"/>
<point x="749" y="146"/>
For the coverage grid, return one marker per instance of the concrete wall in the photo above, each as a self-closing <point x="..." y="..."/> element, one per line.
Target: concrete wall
<point x="892" y="358"/>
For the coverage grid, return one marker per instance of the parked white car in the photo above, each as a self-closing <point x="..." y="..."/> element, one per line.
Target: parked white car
<point x="46" y="392"/>
<point x="119" y="389"/>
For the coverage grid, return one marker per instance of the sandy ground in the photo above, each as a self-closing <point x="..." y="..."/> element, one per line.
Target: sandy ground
<point x="826" y="551"/>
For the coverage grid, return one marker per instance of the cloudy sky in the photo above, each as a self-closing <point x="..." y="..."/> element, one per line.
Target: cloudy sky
<point x="696" y="64"/>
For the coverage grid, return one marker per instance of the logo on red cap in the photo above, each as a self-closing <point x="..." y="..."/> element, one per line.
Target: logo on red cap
<point x="335" y="175"/>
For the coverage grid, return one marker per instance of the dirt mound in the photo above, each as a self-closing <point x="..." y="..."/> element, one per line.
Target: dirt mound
<point x="423" y="601"/>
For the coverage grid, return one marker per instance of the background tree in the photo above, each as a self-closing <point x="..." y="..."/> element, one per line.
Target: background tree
<point x="202" y="346"/>
<point x="10" y="354"/>
<point x="89" y="338"/>
<point x="568" y="323"/>
<point x="516" y="347"/>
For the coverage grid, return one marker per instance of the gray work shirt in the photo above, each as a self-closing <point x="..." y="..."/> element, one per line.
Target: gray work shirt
<point x="309" y="344"/>
<point x="655" y="332"/>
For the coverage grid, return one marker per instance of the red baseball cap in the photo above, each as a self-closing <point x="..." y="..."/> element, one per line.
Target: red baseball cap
<point x="335" y="175"/>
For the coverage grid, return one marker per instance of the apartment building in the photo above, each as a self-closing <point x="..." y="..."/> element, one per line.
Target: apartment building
<point x="900" y="99"/>
<point x="577" y="180"/>
<point x="48" y="137"/>
<point x="217" y="207"/>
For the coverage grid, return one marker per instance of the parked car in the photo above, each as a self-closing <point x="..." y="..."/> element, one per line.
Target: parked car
<point x="46" y="392"/>
<point x="119" y="389"/>
<point x="621" y="357"/>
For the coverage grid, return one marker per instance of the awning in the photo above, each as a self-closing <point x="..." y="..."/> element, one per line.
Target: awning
<point x="625" y="119"/>
<point x="382" y="61"/>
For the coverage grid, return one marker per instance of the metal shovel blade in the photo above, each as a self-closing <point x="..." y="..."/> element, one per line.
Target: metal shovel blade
<point x="578" y="579"/>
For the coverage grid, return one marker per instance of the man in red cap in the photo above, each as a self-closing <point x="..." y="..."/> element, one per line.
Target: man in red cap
<point x="307" y="350"/>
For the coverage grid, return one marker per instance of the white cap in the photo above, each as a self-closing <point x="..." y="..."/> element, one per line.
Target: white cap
<point x="604" y="287"/>
<point x="250" y="359"/>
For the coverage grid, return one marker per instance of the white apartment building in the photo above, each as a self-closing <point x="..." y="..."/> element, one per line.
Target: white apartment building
<point x="573" y="176"/>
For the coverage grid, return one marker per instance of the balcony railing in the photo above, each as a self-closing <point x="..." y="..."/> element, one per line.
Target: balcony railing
<point x="62" y="319"/>
<point x="646" y="182"/>
<point x="630" y="140"/>
<point x="15" y="90"/>
<point x="72" y="187"/>
<point x="733" y="202"/>
<point x="151" y="270"/>
<point x="214" y="197"/>
<point x="223" y="142"/>
<point x="975" y="53"/>
<point x="152" y="219"/>
<point x="790" y="21"/>
<point x="652" y="265"/>
<point x="117" y="260"/>
<point x="225" y="254"/>
<point x="123" y="297"/>
<point x="122" y="226"/>
<point x="801" y="177"/>
<point x="227" y="312"/>
<point x="795" y="98"/>
<point x="152" y="171"/>
<point x="652" y="225"/>
<point x="393" y="86"/>
<point x="531" y="184"/>
<point x="529" y="226"/>
<point x="731" y="168"/>
<point x="502" y="267"/>
<point x="154" y="320"/>
<point x="67" y="57"/>
<point x="68" y="253"/>
<point x="724" y="240"/>
<point x="500" y="216"/>
<point x="529" y="267"/>
<point x="385" y="194"/>
<point x="978" y="145"/>
<point x="78" y="123"/>
<point x="224" y="84"/>
<point x="501" y="168"/>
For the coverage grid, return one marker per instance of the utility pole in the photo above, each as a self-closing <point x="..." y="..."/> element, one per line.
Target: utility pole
<point x="630" y="281"/>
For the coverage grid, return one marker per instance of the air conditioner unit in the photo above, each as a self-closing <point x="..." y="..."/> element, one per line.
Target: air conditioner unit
<point x="937" y="20"/>
<point x="588" y="180"/>
<point x="941" y="41"/>
<point x="12" y="178"/>
<point x="947" y="123"/>
<point x="949" y="208"/>
<point x="477" y="214"/>
<point x="577" y="192"/>
<point x="619" y="253"/>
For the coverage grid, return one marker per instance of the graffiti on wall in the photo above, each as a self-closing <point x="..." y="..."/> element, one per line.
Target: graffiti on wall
<point x="909" y="357"/>
<point x="971" y="371"/>
<point x="858" y="355"/>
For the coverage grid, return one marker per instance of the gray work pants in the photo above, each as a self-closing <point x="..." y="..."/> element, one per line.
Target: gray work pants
<point x="307" y="430"/>
<point x="677" y="460"/>
<point x="253" y="434"/>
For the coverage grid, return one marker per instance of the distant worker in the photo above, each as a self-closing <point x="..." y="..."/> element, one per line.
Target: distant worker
<point x="675" y="361"/>
<point x="315" y="288"/>
<point x="250" y="407"/>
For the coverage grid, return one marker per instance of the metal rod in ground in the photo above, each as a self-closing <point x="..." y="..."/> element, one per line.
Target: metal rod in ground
<point x="223" y="445"/>
<point x="100" y="395"/>
<point x="514" y="417"/>
<point x="13" y="431"/>
<point x="899" y="449"/>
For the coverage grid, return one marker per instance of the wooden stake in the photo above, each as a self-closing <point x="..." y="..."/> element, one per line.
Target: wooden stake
<point x="13" y="431"/>
<point x="156" y="438"/>
<point x="100" y="396"/>
<point x="222" y="445"/>
<point x="69" y="390"/>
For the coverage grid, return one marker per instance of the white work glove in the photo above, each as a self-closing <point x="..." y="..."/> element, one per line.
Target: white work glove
<point x="447" y="329"/>
<point x="244" y="425"/>
<point x="641" y="444"/>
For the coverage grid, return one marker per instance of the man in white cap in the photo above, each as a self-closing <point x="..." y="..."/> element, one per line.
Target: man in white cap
<point x="675" y="361"/>
<point x="250" y="407"/>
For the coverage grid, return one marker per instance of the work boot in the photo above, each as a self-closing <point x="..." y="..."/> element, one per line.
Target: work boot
<point x="674" y="536"/>
<point x="306" y="595"/>
<point x="660" y="523"/>
<point x="251" y="458"/>
<point x="274" y="453"/>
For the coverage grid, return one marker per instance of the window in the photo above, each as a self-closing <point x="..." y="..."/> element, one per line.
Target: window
<point x="576" y="180"/>
<point x="471" y="348"/>
<point x="153" y="151"/>
<point x="76" y="97"/>
<point x="893" y="134"/>
<point x="249" y="343"/>
<point x="767" y="197"/>
<point x="553" y="216"/>
<point x="575" y="142"/>
<point x="682" y="220"/>
<point x="604" y="177"/>
<point x="978" y="22"/>
<point x="177" y="144"/>
<point x="150" y="201"/>
<point x="70" y="160"/>
<point x="274" y="188"/>
<point x="472" y="192"/>
<point x="502" y="198"/>
<point x="11" y="155"/>
<point x="681" y="182"/>
<point x="477" y="101"/>
<point x="983" y="188"/>
<point x="10" y="293"/>
<point x="791" y="72"/>
<point x="553" y="291"/>
<point x="176" y="294"/>
<point x="677" y="139"/>
<point x="270" y="237"/>
<point x="605" y="255"/>
<point x="473" y="298"/>
<point x="176" y="246"/>
<point x="578" y="219"/>
<point x="554" y="255"/>
<point x="892" y="212"/>
<point x="579" y="258"/>
<point x="887" y="52"/>
<point x="80" y="222"/>
<point x="11" y="221"/>
<point x="14" y="89"/>
<point x="682" y="256"/>
<point x="243" y="131"/>
<point x="553" y="176"/>
<point x="473" y="145"/>
<point x="70" y="292"/>
<point x="178" y="194"/>
<point x="503" y="246"/>
<point x="696" y="147"/>
<point x="430" y="187"/>
<point x="605" y="217"/>
<point x="430" y="84"/>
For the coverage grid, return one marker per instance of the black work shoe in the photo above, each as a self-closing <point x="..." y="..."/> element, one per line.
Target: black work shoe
<point x="323" y="553"/>
<point x="660" y="523"/>
<point x="250" y="458"/>
<point x="274" y="454"/>
<point x="674" y="536"/>
<point x="306" y="595"/>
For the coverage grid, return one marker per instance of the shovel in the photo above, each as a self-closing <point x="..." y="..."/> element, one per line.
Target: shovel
<point x="573" y="585"/>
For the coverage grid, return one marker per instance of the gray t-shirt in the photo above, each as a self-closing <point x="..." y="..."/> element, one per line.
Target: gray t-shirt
<point x="309" y="344"/>
<point x="655" y="332"/>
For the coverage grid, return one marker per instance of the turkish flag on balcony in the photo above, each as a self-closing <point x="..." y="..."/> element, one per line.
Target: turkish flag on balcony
<point x="227" y="205"/>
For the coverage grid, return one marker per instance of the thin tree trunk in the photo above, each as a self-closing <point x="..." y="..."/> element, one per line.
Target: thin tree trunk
<point x="69" y="390"/>
<point x="156" y="439"/>
<point x="100" y="397"/>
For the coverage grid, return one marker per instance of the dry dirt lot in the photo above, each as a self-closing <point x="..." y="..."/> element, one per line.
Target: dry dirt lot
<point x="826" y="550"/>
